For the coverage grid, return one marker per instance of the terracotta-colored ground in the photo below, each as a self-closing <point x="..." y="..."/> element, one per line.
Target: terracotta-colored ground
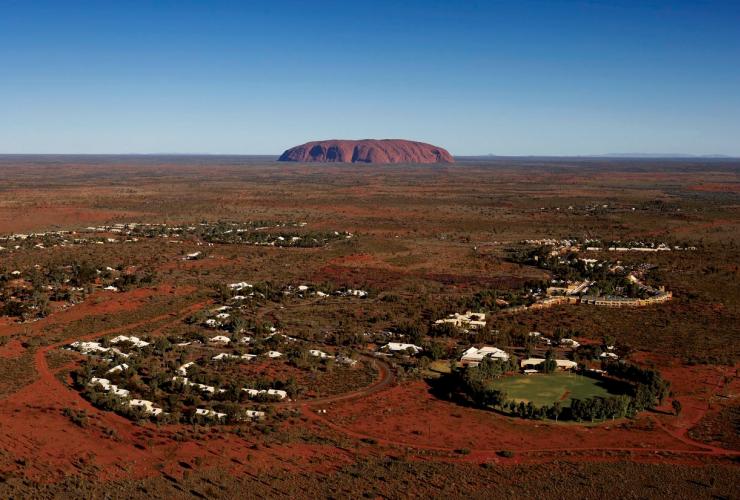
<point x="38" y="219"/>
<point x="417" y="230"/>
<point x="12" y="349"/>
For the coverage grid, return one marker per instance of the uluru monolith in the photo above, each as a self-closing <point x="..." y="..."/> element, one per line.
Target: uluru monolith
<point x="367" y="151"/>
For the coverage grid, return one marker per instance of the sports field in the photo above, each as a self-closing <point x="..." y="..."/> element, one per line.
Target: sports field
<point x="543" y="389"/>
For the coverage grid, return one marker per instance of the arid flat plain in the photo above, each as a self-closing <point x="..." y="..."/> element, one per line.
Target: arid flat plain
<point x="342" y="260"/>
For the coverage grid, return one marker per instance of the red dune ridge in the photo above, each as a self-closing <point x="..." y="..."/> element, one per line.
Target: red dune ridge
<point x="367" y="151"/>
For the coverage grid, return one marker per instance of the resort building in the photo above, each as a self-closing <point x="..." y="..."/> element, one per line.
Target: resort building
<point x="473" y="356"/>
<point x="474" y="321"/>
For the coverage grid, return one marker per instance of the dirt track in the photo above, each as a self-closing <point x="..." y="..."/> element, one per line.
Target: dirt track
<point x="43" y="437"/>
<point x="385" y="379"/>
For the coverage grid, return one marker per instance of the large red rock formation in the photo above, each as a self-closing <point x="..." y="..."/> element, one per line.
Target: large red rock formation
<point x="367" y="151"/>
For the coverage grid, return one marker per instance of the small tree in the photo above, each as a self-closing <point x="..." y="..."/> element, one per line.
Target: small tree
<point x="676" y="404"/>
<point x="436" y="350"/>
<point x="556" y="410"/>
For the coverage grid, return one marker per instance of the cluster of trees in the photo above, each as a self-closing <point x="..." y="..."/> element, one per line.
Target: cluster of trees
<point x="566" y="266"/>
<point x="621" y="286"/>
<point x="412" y="331"/>
<point x="176" y="409"/>
<point x="310" y="239"/>
<point x="601" y="408"/>
<point x="236" y="324"/>
<point x="530" y="411"/>
<point x="206" y="230"/>
<point x="30" y="297"/>
<point x="270" y="233"/>
<point x="570" y="267"/>
<point x="476" y="381"/>
<point x="650" y="388"/>
<point x="150" y="377"/>
<point x="129" y="281"/>
<point x="492" y="300"/>
<point x="26" y="306"/>
<point x="263" y="290"/>
<point x="593" y="409"/>
<point x="549" y="365"/>
<point x="303" y="360"/>
<point x="587" y="352"/>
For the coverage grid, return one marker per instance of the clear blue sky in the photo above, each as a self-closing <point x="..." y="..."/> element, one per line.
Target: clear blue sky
<point x="519" y="77"/>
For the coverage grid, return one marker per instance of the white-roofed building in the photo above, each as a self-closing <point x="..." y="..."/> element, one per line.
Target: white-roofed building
<point x="209" y="413"/>
<point x="398" y="347"/>
<point x="473" y="356"/>
<point x="136" y="341"/>
<point x="474" y="321"/>
<point x="147" y="406"/>
<point x="183" y="370"/>
<point x="562" y="364"/>
<point x="277" y="393"/>
<point x="118" y="368"/>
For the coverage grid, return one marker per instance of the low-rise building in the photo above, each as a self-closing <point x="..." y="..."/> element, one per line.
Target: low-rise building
<point x="398" y="347"/>
<point x="203" y="387"/>
<point x="136" y="341"/>
<point x="118" y="368"/>
<point x="277" y="393"/>
<point x="183" y="370"/>
<point x="108" y="387"/>
<point x="147" y="406"/>
<point x="473" y="356"/>
<point x="474" y="321"/>
<point x="345" y="360"/>
<point x="562" y="364"/>
<point x="209" y="413"/>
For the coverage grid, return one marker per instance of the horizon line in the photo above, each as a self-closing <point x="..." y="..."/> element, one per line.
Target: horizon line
<point x="686" y="156"/>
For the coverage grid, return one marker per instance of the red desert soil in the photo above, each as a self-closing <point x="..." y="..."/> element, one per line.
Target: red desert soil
<point x="730" y="187"/>
<point x="367" y="151"/>
<point x="23" y="218"/>
<point x="46" y="438"/>
<point x="98" y="304"/>
<point x="12" y="349"/>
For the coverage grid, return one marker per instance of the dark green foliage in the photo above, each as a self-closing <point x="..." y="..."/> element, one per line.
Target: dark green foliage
<point x="650" y="387"/>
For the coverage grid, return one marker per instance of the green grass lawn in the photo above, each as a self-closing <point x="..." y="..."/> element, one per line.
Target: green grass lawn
<point x="543" y="389"/>
<point x="440" y="366"/>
